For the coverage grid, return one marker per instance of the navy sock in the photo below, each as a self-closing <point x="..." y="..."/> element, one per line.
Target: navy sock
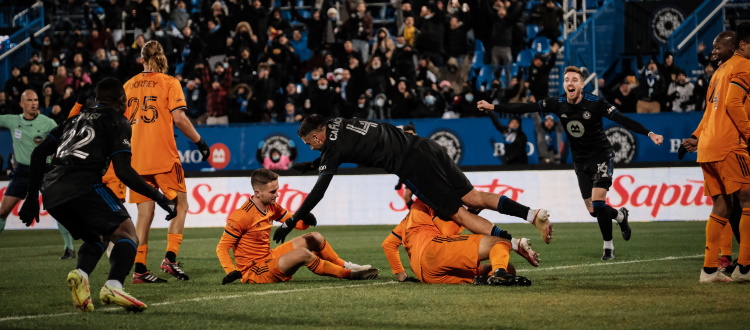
<point x="604" y="218"/>
<point x="510" y="207"/>
<point x="88" y="256"/>
<point x="121" y="259"/>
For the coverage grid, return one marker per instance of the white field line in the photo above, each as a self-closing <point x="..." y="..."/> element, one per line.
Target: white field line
<point x="248" y="294"/>
<point x="262" y="293"/>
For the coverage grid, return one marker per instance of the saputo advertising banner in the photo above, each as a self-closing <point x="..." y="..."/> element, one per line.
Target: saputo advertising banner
<point x="651" y="194"/>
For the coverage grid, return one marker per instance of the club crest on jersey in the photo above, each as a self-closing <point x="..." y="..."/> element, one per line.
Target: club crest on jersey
<point x="276" y="142"/>
<point x="623" y="144"/>
<point x="586" y="115"/>
<point x="450" y="142"/>
<point x="38" y="140"/>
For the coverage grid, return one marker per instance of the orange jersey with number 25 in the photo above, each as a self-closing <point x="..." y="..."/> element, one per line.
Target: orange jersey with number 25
<point x="152" y="97"/>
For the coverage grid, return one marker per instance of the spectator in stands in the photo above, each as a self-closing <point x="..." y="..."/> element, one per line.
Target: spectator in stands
<point x="315" y="25"/>
<point x="100" y="36"/>
<point x="8" y="106"/>
<point x="424" y="76"/>
<point x="456" y="39"/>
<point x="139" y="17"/>
<point x="239" y="110"/>
<point x="454" y="74"/>
<point x="701" y="86"/>
<point x="277" y="24"/>
<point x="378" y="76"/>
<point x="551" y="19"/>
<point x="384" y="45"/>
<point x="539" y="74"/>
<point x="502" y="32"/>
<point x="292" y="114"/>
<point x="116" y="71"/>
<point x="330" y="29"/>
<point x="431" y="34"/>
<point x="651" y="89"/>
<point x="61" y="110"/>
<point x="404" y="101"/>
<point x="257" y="16"/>
<point x="78" y="79"/>
<point x="292" y="95"/>
<point x="515" y="140"/>
<point x="195" y="97"/>
<point x="300" y="46"/>
<point x="179" y="16"/>
<point x="432" y="105"/>
<point x="244" y="67"/>
<point x="36" y="77"/>
<point x="465" y="103"/>
<point x="549" y="139"/>
<point x="624" y="97"/>
<point x="14" y="86"/>
<point x="515" y="92"/>
<point x="48" y="49"/>
<point x="680" y="93"/>
<point x="669" y="70"/>
<point x="358" y="28"/>
<point x="190" y="48"/>
<point x="347" y="93"/>
<point x="404" y="60"/>
<point x="348" y="50"/>
<point x="217" y="93"/>
<point x="216" y="41"/>
<point x="59" y="82"/>
<point x="47" y="99"/>
<point x="113" y="10"/>
<point x="378" y="109"/>
<point x="409" y="31"/>
<point x="320" y="99"/>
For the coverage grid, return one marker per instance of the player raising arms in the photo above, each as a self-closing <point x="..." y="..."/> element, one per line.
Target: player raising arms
<point x="248" y="234"/>
<point x="75" y="196"/>
<point x="422" y="164"/>
<point x="581" y="114"/>
<point x="156" y="104"/>
<point x="439" y="254"/>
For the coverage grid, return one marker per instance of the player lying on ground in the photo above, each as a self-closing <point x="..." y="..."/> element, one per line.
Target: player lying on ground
<point x="248" y="234"/>
<point x="422" y="164"/>
<point x="75" y="196"/>
<point x="438" y="254"/>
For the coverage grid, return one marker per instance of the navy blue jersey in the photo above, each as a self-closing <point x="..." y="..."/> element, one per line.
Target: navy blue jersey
<point x="583" y="125"/>
<point x="363" y="142"/>
<point x="85" y="144"/>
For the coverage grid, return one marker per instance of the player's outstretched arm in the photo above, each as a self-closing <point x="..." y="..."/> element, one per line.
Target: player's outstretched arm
<point x="509" y="107"/>
<point x="129" y="177"/>
<point x="636" y="127"/>
<point x="316" y="194"/>
<point x="186" y="127"/>
<point x="30" y="209"/>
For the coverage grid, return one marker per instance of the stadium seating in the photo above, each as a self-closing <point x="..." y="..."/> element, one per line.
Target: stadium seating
<point x="485" y="77"/>
<point x="540" y="45"/>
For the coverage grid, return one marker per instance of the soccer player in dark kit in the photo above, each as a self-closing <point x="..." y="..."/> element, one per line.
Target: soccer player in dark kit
<point x="422" y="164"/>
<point x="75" y="196"/>
<point x="581" y="114"/>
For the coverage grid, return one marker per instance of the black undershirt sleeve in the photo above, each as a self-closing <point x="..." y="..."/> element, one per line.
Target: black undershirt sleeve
<point x="129" y="177"/>
<point x="517" y="107"/>
<point x="630" y="124"/>
<point x="312" y="199"/>
<point x="38" y="162"/>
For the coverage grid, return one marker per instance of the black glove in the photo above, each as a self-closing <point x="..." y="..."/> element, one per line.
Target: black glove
<point x="29" y="211"/>
<point x="410" y="279"/>
<point x="305" y="167"/>
<point x="231" y="277"/>
<point x="280" y="234"/>
<point x="310" y="220"/>
<point x="168" y="206"/>
<point x="681" y="152"/>
<point x="83" y="94"/>
<point x="204" y="149"/>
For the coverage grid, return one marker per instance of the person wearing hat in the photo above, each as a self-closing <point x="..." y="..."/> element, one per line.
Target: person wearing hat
<point x="681" y="94"/>
<point x="549" y="138"/>
<point x="652" y="88"/>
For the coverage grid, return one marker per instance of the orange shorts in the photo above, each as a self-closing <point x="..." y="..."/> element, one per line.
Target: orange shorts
<point x="727" y="176"/>
<point x="267" y="270"/>
<point x="170" y="183"/>
<point x="449" y="259"/>
<point x="116" y="186"/>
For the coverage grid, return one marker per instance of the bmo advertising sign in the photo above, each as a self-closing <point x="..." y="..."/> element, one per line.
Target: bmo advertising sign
<point x="651" y="194"/>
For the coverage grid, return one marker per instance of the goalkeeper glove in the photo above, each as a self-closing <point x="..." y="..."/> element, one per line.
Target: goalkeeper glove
<point x="204" y="149"/>
<point x="231" y="277"/>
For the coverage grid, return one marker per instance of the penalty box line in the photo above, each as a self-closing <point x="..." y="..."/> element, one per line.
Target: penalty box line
<point x="198" y="299"/>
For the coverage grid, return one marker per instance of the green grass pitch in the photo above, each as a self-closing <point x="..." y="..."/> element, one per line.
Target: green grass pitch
<point x="653" y="283"/>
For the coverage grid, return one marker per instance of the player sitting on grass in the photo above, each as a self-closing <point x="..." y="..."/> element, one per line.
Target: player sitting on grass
<point x="248" y="234"/>
<point x="438" y="254"/>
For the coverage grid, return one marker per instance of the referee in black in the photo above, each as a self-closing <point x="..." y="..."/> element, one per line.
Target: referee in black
<point x="581" y="114"/>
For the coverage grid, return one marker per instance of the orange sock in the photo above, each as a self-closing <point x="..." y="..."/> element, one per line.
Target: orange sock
<point x="140" y="255"/>
<point x="500" y="255"/>
<point x="714" y="228"/>
<point x="327" y="253"/>
<point x="744" y="258"/>
<point x="173" y="243"/>
<point x="725" y="246"/>
<point x="326" y="268"/>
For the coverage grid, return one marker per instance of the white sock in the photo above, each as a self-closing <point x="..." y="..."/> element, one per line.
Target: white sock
<point x="85" y="276"/>
<point x="114" y="284"/>
<point x="514" y="244"/>
<point x="620" y="216"/>
<point x="609" y="245"/>
<point x="532" y="214"/>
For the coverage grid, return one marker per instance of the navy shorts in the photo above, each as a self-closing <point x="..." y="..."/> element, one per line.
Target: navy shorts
<point x="594" y="175"/>
<point x="19" y="182"/>
<point x="95" y="214"/>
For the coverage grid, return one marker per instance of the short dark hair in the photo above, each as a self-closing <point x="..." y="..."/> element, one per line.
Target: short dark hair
<point x="573" y="69"/>
<point x="742" y="34"/>
<point x="311" y="123"/>
<point x="262" y="176"/>
<point x="109" y="89"/>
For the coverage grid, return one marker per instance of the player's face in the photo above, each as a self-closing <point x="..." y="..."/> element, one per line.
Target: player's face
<point x="722" y="49"/>
<point x="268" y="192"/>
<point x="573" y="85"/>
<point x="30" y="104"/>
<point x="315" y="139"/>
